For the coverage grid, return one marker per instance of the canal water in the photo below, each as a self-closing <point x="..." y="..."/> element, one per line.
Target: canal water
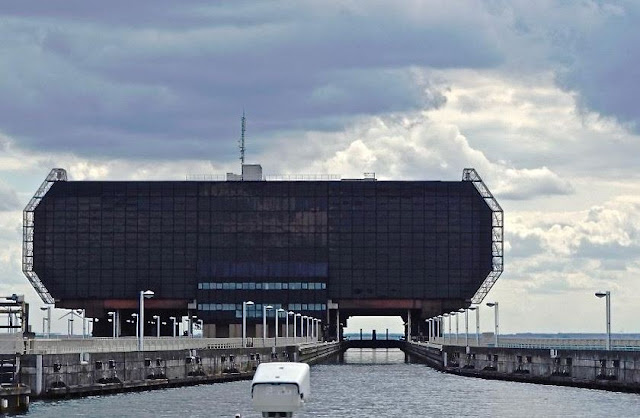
<point x="365" y="383"/>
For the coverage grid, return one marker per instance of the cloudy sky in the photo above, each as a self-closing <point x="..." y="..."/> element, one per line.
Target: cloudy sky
<point x="540" y="97"/>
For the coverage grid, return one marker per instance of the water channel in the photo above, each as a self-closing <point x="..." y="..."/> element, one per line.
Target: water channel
<point x="365" y="383"/>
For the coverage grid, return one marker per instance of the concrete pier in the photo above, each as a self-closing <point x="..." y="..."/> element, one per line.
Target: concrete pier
<point x="55" y="375"/>
<point x="616" y="370"/>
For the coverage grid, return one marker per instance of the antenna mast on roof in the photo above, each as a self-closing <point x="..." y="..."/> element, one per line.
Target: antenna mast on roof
<point x="241" y="142"/>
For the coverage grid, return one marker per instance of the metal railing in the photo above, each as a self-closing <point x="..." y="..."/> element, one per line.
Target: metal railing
<point x="122" y="344"/>
<point x="488" y="340"/>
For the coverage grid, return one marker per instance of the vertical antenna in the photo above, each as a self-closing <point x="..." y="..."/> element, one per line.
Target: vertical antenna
<point x="241" y="142"/>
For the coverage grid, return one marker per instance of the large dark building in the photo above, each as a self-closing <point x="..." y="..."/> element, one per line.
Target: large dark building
<point x="328" y="249"/>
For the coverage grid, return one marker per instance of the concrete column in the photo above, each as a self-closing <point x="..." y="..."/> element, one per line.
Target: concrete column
<point x="39" y="375"/>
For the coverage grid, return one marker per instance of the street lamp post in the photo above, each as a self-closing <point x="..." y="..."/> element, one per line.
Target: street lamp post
<point x="244" y="321"/>
<point x="295" y="329"/>
<point x="496" y="319"/>
<point x="173" y="322"/>
<point x="309" y="318"/>
<point x="144" y="294"/>
<point x="313" y="328"/>
<point x="112" y="314"/>
<point x="303" y="320"/>
<point x="84" y="322"/>
<point x="466" y="325"/>
<point x="157" y="319"/>
<point x="135" y="315"/>
<point x="456" y="315"/>
<point x="48" y="319"/>
<point x="264" y="323"/>
<point x="607" y="296"/>
<point x="277" y="312"/>
<point x="290" y="313"/>
<point x="478" y="325"/>
<point x="448" y="315"/>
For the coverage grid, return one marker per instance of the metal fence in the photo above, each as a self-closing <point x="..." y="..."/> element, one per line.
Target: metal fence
<point x="488" y="340"/>
<point x="101" y="345"/>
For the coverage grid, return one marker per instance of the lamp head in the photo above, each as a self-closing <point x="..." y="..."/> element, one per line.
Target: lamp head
<point x="135" y="315"/>
<point x="268" y="307"/>
<point x="461" y="310"/>
<point x="148" y="294"/>
<point x="291" y="313"/>
<point x="491" y="304"/>
<point x="298" y="315"/>
<point x="602" y="294"/>
<point x="44" y="308"/>
<point x="172" y="318"/>
<point x="249" y="302"/>
<point x="472" y="308"/>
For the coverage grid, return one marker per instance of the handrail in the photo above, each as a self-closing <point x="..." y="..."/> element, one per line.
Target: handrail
<point x="122" y="344"/>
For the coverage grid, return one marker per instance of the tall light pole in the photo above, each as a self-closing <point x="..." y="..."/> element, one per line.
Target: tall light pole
<point x="607" y="296"/>
<point x="135" y="315"/>
<point x="144" y="294"/>
<point x="309" y="318"/>
<point x="112" y="314"/>
<point x="244" y="321"/>
<point x="157" y="319"/>
<point x="264" y="323"/>
<point x="313" y="328"/>
<point x="48" y="319"/>
<point x="478" y="325"/>
<point x="290" y="313"/>
<point x="304" y="319"/>
<point x="444" y="334"/>
<point x="295" y="329"/>
<point x="275" y="341"/>
<point x="84" y="322"/>
<point x="457" y="322"/>
<point x="466" y="325"/>
<point x="173" y="322"/>
<point x="496" y="319"/>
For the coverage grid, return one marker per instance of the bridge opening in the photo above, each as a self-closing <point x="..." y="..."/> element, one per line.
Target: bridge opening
<point x="374" y="327"/>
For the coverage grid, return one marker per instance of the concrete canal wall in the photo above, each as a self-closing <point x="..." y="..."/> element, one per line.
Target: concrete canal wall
<point x="597" y="369"/>
<point x="79" y="374"/>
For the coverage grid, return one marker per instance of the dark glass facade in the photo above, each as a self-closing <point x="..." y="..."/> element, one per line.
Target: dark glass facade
<point x="289" y="244"/>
